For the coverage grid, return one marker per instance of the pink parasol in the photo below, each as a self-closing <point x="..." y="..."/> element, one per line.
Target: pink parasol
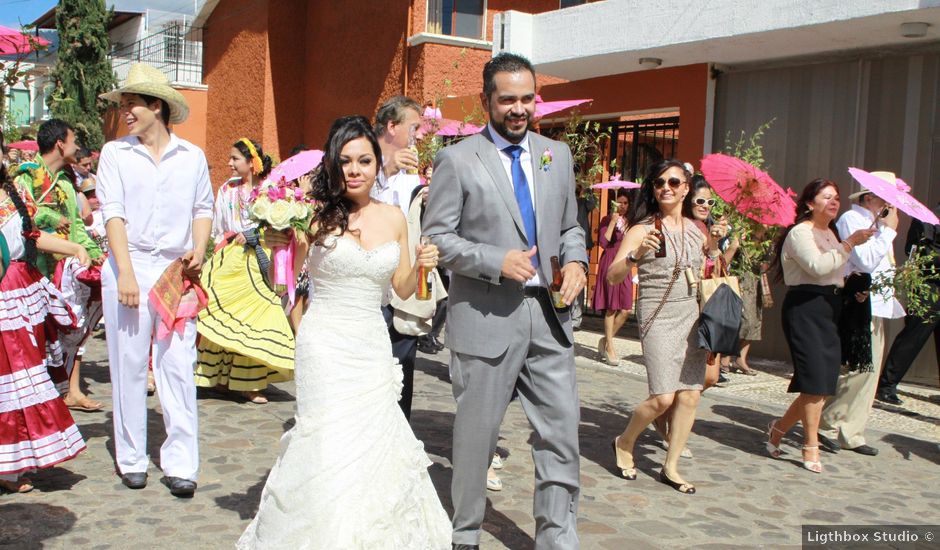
<point x="543" y="108"/>
<point x="434" y="122"/>
<point x="297" y="165"/>
<point x="895" y="193"/>
<point x="13" y="41"/>
<point x="616" y="183"/>
<point x="26" y="145"/>
<point x="752" y="191"/>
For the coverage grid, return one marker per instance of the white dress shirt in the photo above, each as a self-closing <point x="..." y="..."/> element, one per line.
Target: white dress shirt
<point x="158" y="202"/>
<point x="872" y="257"/>
<point x="395" y="190"/>
<point x="525" y="158"/>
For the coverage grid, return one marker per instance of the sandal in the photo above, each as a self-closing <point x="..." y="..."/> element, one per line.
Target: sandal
<point x="627" y="473"/>
<point x="21" y="485"/>
<point x="739" y="369"/>
<point x="814" y="466"/>
<point x="84" y="405"/>
<point x="773" y="450"/>
<point x="255" y="397"/>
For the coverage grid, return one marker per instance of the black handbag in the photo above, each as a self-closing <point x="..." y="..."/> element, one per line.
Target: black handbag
<point x="720" y="321"/>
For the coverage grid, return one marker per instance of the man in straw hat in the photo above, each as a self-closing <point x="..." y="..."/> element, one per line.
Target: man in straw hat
<point x="156" y="198"/>
<point x="846" y="413"/>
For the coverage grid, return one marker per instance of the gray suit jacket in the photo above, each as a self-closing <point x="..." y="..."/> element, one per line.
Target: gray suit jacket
<point x="473" y="218"/>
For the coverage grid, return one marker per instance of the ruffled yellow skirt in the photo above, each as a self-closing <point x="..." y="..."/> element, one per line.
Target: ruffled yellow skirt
<point x="245" y="339"/>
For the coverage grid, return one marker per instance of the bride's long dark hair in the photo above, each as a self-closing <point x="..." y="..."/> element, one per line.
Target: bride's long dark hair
<point x="329" y="183"/>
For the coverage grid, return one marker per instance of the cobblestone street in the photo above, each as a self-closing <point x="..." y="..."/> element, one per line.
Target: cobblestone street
<point x="745" y="499"/>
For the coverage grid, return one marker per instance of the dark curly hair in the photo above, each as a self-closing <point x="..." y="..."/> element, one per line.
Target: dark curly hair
<point x="329" y="182"/>
<point x="646" y="206"/>
<point x="20" y="206"/>
<point x="265" y="159"/>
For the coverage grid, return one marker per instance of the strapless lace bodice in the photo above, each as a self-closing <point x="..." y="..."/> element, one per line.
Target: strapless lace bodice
<point x="349" y="281"/>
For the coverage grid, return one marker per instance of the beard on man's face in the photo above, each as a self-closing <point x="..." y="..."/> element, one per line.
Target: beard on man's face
<point x="504" y="130"/>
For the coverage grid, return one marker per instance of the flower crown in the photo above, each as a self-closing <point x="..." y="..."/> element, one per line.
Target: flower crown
<point x="256" y="165"/>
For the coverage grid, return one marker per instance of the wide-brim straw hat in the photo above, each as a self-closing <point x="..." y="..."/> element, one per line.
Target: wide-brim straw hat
<point x="889" y="177"/>
<point x="147" y="80"/>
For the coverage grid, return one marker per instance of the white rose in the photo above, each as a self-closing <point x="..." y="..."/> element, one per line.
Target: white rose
<point x="299" y="210"/>
<point x="280" y="215"/>
<point x="260" y="208"/>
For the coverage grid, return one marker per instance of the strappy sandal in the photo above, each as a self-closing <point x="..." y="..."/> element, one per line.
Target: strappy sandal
<point x="255" y="397"/>
<point x="773" y="450"/>
<point x="739" y="369"/>
<point x="627" y="473"/>
<point x="814" y="466"/>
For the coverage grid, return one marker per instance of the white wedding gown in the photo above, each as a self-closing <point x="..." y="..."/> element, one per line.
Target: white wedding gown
<point x="350" y="474"/>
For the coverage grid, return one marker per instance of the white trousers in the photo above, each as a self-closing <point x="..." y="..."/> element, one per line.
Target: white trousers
<point x="131" y="334"/>
<point x="845" y="414"/>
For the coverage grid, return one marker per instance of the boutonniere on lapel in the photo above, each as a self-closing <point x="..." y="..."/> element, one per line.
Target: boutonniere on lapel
<point x="545" y="162"/>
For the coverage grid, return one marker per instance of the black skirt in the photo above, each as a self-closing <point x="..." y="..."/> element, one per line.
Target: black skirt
<point x="811" y="326"/>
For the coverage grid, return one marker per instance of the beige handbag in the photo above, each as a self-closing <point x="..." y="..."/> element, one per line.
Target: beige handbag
<point x="719" y="277"/>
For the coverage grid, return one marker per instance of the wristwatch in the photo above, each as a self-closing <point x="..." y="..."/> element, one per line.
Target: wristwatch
<point x="584" y="266"/>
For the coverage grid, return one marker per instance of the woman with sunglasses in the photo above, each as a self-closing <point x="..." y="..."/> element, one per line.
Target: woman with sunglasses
<point x="664" y="244"/>
<point x="616" y="301"/>
<point x="811" y="259"/>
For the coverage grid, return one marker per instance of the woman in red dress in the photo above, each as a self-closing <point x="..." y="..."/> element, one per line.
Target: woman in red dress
<point x="616" y="301"/>
<point x="36" y="429"/>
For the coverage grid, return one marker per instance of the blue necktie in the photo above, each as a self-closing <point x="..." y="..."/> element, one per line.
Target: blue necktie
<point x="521" y="188"/>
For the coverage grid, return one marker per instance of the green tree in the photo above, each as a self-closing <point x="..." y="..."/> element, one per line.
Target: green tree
<point x="83" y="69"/>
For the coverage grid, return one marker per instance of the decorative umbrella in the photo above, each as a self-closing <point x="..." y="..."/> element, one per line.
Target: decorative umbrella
<point x="434" y="122"/>
<point x="616" y="183"/>
<point x="13" y="41"/>
<point x="896" y="193"/>
<point x="543" y="108"/>
<point x="297" y="165"/>
<point x="751" y="190"/>
<point x="25" y="145"/>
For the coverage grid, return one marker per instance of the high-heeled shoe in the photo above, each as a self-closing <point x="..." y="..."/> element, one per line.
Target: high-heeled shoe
<point x="773" y="450"/>
<point x="626" y="473"/>
<point x="684" y="488"/>
<point x="602" y="349"/>
<point x="814" y="466"/>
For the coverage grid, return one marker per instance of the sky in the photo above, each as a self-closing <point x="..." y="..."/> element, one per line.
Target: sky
<point x="15" y="12"/>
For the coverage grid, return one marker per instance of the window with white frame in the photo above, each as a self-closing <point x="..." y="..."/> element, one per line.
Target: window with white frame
<point x="463" y="18"/>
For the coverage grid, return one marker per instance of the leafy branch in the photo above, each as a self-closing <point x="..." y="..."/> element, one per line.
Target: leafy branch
<point x="915" y="283"/>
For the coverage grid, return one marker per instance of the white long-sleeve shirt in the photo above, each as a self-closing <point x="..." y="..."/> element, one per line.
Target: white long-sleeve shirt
<point x="158" y="202"/>
<point x="872" y="257"/>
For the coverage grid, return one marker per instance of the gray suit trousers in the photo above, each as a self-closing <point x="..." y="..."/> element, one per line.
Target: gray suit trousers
<point x="541" y="367"/>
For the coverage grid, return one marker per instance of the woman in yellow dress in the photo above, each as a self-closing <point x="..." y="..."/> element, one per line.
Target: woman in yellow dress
<point x="245" y="339"/>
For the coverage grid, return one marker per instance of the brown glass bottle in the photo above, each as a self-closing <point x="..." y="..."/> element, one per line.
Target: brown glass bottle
<point x="658" y="224"/>
<point x="423" y="289"/>
<point x="557" y="300"/>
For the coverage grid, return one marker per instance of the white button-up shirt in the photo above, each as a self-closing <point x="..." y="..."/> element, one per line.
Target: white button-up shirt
<point x="525" y="158"/>
<point x="158" y="202"/>
<point x="872" y="257"/>
<point x="395" y="190"/>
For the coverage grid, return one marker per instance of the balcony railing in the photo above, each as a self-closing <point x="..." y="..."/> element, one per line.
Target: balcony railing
<point x="176" y="50"/>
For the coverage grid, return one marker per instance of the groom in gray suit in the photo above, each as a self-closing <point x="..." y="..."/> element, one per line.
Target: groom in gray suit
<point x="501" y="205"/>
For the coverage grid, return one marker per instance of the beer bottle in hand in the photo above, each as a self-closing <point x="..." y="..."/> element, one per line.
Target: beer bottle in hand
<point x="423" y="290"/>
<point x="557" y="300"/>
<point x="658" y="224"/>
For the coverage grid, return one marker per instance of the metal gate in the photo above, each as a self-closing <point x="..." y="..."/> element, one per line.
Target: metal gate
<point x="636" y="144"/>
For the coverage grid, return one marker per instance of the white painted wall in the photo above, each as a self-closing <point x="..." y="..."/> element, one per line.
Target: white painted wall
<point x="609" y="37"/>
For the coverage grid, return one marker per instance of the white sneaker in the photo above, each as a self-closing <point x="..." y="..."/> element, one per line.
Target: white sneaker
<point x="497" y="462"/>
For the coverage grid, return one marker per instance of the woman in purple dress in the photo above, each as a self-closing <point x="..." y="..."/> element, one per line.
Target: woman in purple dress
<point x="616" y="301"/>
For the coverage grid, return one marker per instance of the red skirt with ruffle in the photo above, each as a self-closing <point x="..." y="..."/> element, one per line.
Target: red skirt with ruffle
<point x="36" y="429"/>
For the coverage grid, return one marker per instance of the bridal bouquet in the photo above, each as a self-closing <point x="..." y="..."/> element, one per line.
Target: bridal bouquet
<point x="281" y="206"/>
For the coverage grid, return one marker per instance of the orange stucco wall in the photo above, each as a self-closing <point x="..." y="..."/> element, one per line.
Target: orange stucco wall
<point x="683" y="88"/>
<point x="193" y="130"/>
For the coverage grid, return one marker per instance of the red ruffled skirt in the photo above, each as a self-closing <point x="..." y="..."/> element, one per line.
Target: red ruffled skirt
<point x="36" y="429"/>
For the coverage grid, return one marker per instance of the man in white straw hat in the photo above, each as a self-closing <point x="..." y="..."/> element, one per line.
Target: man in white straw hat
<point x="846" y="413"/>
<point x="156" y="198"/>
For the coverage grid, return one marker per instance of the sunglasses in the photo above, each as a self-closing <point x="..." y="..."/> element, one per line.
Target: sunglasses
<point x="700" y="201"/>
<point x="674" y="183"/>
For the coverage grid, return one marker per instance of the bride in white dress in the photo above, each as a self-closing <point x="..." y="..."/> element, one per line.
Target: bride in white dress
<point x="351" y="473"/>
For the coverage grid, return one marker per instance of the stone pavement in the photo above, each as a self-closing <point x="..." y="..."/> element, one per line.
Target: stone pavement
<point x="745" y="499"/>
